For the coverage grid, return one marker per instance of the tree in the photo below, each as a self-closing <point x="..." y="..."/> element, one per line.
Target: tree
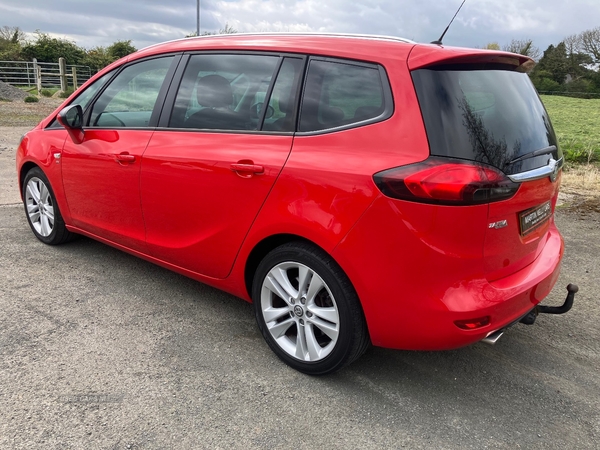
<point x="97" y="58"/>
<point x="590" y="43"/>
<point x="586" y="42"/>
<point x="11" y="40"/>
<point x="492" y="46"/>
<point x="577" y="58"/>
<point x="49" y="49"/>
<point x="578" y="65"/>
<point x="550" y="74"/>
<point x="14" y="35"/>
<point x="554" y="64"/>
<point x="523" y="47"/>
<point x="120" y="49"/>
<point x="225" y="30"/>
<point x="572" y="44"/>
<point x="100" y="57"/>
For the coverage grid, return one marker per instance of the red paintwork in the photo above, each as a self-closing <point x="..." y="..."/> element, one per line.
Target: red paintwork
<point x="429" y="272"/>
<point x="416" y="268"/>
<point x="506" y="251"/>
<point x="41" y="153"/>
<point x="108" y="202"/>
<point x="198" y="210"/>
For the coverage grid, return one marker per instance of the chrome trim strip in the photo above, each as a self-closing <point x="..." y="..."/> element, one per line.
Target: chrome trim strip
<point x="551" y="170"/>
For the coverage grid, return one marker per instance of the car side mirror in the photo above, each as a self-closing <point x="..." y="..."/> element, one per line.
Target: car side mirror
<point x="71" y="118"/>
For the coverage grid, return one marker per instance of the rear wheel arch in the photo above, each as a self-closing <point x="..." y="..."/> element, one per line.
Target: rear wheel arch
<point x="264" y="247"/>
<point x="261" y="250"/>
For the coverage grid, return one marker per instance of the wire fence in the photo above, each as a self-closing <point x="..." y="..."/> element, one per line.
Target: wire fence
<point x="571" y="94"/>
<point x="25" y="73"/>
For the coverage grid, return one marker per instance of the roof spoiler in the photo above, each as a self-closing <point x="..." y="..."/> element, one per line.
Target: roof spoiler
<point x="424" y="55"/>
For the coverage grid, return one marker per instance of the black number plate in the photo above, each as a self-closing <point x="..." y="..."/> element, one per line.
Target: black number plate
<point x="534" y="217"/>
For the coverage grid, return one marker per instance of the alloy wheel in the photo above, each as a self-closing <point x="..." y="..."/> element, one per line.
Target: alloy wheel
<point x="300" y="311"/>
<point x="40" y="208"/>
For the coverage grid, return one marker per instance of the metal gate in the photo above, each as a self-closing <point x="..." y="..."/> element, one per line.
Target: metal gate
<point x="25" y="73"/>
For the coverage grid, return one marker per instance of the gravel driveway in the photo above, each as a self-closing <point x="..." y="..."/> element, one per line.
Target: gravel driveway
<point x="103" y="350"/>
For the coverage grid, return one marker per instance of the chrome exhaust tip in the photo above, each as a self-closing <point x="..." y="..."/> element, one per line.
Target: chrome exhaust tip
<point x="491" y="339"/>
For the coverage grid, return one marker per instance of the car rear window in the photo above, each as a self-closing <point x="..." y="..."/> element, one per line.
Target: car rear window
<point x="487" y="115"/>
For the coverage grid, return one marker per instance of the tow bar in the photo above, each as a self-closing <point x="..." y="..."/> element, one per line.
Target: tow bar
<point x="529" y="318"/>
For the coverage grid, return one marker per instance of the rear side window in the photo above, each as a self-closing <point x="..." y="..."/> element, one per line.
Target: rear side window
<point x="342" y="93"/>
<point x="489" y="116"/>
<point x="223" y="92"/>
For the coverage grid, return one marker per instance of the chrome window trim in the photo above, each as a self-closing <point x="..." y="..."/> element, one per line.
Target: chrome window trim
<point x="550" y="170"/>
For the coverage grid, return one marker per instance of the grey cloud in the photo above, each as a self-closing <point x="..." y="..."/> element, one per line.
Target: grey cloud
<point x="95" y="22"/>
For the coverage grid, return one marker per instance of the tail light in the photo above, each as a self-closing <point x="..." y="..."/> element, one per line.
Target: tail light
<point x="446" y="181"/>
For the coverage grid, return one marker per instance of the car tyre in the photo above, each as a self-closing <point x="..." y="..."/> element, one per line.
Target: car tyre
<point x="307" y="309"/>
<point x="41" y="209"/>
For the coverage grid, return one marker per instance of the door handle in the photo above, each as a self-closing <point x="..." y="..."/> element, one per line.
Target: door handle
<point x="125" y="158"/>
<point x="252" y="168"/>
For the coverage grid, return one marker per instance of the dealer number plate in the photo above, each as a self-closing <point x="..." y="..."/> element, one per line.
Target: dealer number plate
<point x="534" y="217"/>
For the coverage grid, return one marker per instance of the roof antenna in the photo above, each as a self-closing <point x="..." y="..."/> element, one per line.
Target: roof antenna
<point x="439" y="41"/>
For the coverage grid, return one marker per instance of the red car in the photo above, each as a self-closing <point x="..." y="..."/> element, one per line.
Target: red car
<point x="356" y="189"/>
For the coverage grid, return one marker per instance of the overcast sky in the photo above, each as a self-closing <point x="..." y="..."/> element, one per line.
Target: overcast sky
<point x="93" y="23"/>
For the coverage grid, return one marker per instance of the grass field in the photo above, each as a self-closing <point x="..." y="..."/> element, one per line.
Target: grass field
<point x="577" y="125"/>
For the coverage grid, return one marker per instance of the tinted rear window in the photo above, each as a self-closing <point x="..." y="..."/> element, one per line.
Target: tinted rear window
<point x="489" y="116"/>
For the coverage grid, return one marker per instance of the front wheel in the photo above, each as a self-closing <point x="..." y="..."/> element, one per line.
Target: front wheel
<point x="42" y="210"/>
<point x="307" y="309"/>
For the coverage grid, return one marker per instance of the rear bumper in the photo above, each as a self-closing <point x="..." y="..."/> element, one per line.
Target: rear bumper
<point x="512" y="297"/>
<point x="411" y="296"/>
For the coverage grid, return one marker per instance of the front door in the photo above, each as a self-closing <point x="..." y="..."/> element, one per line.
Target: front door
<point x="101" y="175"/>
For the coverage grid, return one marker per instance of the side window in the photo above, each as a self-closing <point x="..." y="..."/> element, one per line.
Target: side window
<point x="85" y="97"/>
<point x="281" y="112"/>
<point x="223" y="92"/>
<point x="340" y="93"/>
<point x="129" y="99"/>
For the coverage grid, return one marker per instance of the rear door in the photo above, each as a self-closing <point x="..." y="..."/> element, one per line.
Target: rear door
<point x="210" y="166"/>
<point x="490" y="114"/>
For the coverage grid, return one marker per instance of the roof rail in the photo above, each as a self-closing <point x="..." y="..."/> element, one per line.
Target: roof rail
<point x="300" y="33"/>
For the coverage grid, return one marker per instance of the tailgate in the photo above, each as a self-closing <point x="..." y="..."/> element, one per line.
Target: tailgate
<point x="518" y="227"/>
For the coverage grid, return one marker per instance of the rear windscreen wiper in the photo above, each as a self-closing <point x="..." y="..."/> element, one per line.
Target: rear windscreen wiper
<point x="541" y="151"/>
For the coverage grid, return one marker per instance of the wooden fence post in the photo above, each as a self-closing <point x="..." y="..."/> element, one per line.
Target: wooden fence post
<point x="62" y="68"/>
<point x="38" y="78"/>
<point x="36" y="75"/>
<point x="74" y="75"/>
<point x="29" y="72"/>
